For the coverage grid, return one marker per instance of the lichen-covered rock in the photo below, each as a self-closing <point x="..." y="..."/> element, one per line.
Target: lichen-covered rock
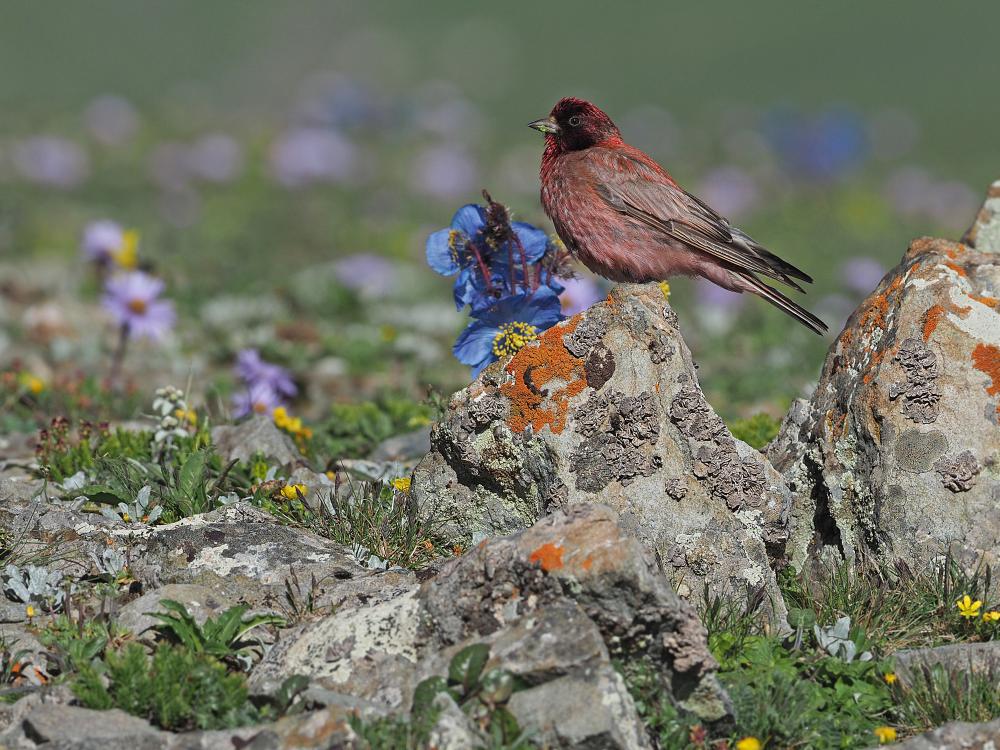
<point x="896" y="454"/>
<point x="557" y="601"/>
<point x="606" y="408"/>
<point x="241" y="553"/>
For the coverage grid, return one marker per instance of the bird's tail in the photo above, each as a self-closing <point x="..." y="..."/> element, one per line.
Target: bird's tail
<point x="784" y="304"/>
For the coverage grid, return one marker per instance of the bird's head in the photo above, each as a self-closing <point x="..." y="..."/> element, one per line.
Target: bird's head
<point x="575" y="124"/>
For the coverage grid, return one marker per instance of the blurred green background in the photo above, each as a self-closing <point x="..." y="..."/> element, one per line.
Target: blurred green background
<point x="834" y="133"/>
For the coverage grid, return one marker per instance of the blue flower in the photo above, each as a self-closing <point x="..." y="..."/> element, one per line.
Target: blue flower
<point x="533" y="240"/>
<point x="448" y="249"/>
<point x="505" y="326"/>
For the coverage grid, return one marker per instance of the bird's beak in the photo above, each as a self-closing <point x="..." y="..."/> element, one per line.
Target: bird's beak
<point x="545" y="125"/>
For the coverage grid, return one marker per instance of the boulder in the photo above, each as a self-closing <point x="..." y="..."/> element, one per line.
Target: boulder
<point x="896" y="454"/>
<point x="956" y="735"/>
<point x="241" y="553"/>
<point x="555" y="603"/>
<point x="257" y="435"/>
<point x="606" y="408"/>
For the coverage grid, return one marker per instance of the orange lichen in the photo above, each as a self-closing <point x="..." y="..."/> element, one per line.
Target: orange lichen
<point x="588" y="563"/>
<point x="986" y="358"/>
<point x="984" y="300"/>
<point x="931" y="319"/>
<point x="956" y="268"/>
<point x="549" y="556"/>
<point x="935" y="312"/>
<point x="535" y="367"/>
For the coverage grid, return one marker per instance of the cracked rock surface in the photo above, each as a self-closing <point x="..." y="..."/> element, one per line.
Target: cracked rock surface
<point x="896" y="454"/>
<point x="606" y="408"/>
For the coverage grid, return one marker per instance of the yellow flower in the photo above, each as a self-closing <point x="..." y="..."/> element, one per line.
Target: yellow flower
<point x="991" y="616"/>
<point x="665" y="288"/>
<point x="402" y="484"/>
<point x="292" y="491"/>
<point x="280" y="416"/>
<point x="34" y="384"/>
<point x="968" y="608"/>
<point x="190" y="415"/>
<point x="749" y="743"/>
<point x="127" y="256"/>
<point x="885" y="735"/>
<point x="331" y="475"/>
<point x="30" y="611"/>
<point x="889" y="677"/>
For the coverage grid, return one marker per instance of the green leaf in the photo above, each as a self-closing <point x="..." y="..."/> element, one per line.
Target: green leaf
<point x="426" y="692"/>
<point x="191" y="478"/>
<point x="102" y="493"/>
<point x="467" y="665"/>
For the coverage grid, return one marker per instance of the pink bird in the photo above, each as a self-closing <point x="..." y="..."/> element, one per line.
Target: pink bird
<point x="627" y="219"/>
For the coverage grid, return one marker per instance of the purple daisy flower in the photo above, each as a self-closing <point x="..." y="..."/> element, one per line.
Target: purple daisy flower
<point x="253" y="371"/>
<point x="133" y="300"/>
<point x="101" y="240"/>
<point x="258" y="398"/>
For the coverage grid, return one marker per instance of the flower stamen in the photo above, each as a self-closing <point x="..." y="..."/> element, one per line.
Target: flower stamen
<point x="513" y="337"/>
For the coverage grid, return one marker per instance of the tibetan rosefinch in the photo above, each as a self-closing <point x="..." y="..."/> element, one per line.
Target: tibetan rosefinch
<point x="627" y="219"/>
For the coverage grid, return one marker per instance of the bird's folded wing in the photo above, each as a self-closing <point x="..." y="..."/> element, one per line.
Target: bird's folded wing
<point x="640" y="192"/>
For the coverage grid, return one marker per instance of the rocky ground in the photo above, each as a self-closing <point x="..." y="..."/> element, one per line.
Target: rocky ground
<point x="599" y="505"/>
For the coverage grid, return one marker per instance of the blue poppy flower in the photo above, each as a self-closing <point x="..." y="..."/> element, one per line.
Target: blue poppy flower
<point x="506" y="326"/>
<point x="448" y="249"/>
<point x="533" y="240"/>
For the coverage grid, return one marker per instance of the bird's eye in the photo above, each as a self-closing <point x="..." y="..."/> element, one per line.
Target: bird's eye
<point x="574" y="120"/>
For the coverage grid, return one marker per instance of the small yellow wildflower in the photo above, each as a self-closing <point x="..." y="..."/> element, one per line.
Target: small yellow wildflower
<point x="991" y="616"/>
<point x="967" y="607"/>
<point x="331" y="475"/>
<point x="389" y="334"/>
<point x="665" y="288"/>
<point x="127" y="256"/>
<point x="402" y="484"/>
<point x="889" y="677"/>
<point x="292" y="491"/>
<point x="748" y="743"/>
<point x="34" y="384"/>
<point x="885" y="735"/>
<point x="280" y="416"/>
<point x="30" y="611"/>
<point x="126" y="517"/>
<point x="190" y="415"/>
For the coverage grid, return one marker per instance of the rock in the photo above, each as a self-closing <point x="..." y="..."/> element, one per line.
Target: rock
<point x="200" y="601"/>
<point x="75" y="727"/>
<point x="452" y="730"/>
<point x="410" y="445"/>
<point x="256" y="435"/>
<point x="606" y="408"/>
<point x="897" y="453"/>
<point x="556" y="601"/>
<point x="957" y="735"/>
<point x="984" y="234"/>
<point x="976" y="658"/>
<point x="242" y="553"/>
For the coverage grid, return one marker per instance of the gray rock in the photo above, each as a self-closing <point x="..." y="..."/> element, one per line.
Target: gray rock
<point x="256" y="435"/>
<point x="984" y="234"/>
<point x="895" y="455"/>
<point x="411" y="445"/>
<point x="241" y="553"/>
<point x="957" y="735"/>
<point x="452" y="730"/>
<point x="606" y="408"/>
<point x="75" y="727"/>
<point x="560" y="599"/>
<point x="976" y="658"/>
<point x="571" y="712"/>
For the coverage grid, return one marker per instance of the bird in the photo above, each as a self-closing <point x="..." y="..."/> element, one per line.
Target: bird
<point x="627" y="219"/>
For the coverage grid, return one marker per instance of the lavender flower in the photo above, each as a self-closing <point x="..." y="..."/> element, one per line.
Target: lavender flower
<point x="257" y="398"/>
<point x="253" y="370"/>
<point x="312" y="155"/>
<point x="369" y="275"/>
<point x="861" y="275"/>
<point x="133" y="300"/>
<point x="101" y="240"/>
<point x="111" y="120"/>
<point x="50" y="160"/>
<point x="578" y="294"/>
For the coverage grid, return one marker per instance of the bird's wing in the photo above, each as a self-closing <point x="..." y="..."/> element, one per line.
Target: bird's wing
<point x="638" y="189"/>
